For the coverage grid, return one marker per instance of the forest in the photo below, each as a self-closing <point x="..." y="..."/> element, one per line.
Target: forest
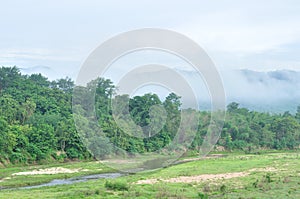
<point x="37" y="122"/>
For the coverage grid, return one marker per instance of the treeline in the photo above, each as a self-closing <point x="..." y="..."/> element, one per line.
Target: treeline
<point x="106" y="136"/>
<point x="37" y="124"/>
<point x="250" y="130"/>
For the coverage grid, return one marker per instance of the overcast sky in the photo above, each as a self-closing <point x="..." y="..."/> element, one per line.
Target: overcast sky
<point x="256" y="35"/>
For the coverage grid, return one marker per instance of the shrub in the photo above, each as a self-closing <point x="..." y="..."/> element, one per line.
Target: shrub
<point x="116" y="186"/>
<point x="268" y="178"/>
<point x="223" y="189"/>
<point x="202" y="195"/>
<point x="35" y="152"/>
<point x="72" y="153"/>
<point x="17" y="158"/>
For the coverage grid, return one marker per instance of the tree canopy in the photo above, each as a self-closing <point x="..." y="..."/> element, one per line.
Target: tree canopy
<point x="36" y="121"/>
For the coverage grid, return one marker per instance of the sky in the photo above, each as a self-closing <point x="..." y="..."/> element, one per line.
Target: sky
<point x="59" y="35"/>
<point x="56" y="37"/>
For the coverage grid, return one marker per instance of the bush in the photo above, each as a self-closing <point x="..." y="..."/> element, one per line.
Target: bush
<point x="17" y="158"/>
<point x="268" y="178"/>
<point x="116" y="186"/>
<point x="35" y="152"/>
<point x="59" y="157"/>
<point x="202" y="195"/>
<point x="72" y="153"/>
<point x="223" y="189"/>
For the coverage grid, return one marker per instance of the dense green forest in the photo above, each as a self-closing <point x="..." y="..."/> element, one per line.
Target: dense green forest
<point x="37" y="122"/>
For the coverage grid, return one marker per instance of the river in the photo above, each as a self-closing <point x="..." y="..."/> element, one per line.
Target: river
<point x="71" y="180"/>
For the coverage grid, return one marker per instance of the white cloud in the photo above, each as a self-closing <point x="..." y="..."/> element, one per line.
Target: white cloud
<point x="37" y="53"/>
<point x="242" y="37"/>
<point x="232" y="32"/>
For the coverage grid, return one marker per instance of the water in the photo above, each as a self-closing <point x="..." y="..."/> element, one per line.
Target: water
<point x="73" y="180"/>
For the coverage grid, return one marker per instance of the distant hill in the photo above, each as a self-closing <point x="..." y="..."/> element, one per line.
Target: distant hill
<point x="44" y="70"/>
<point x="271" y="91"/>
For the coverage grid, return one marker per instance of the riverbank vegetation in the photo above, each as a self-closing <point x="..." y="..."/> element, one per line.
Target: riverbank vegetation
<point x="233" y="175"/>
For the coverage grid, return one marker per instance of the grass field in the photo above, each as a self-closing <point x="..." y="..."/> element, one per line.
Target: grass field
<point x="269" y="175"/>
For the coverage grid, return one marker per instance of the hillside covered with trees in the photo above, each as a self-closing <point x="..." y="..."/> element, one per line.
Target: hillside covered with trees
<point x="37" y="122"/>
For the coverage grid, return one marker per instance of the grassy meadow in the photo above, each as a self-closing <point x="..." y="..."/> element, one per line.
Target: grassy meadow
<point x="236" y="175"/>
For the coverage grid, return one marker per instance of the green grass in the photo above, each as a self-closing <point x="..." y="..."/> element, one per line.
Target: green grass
<point x="284" y="182"/>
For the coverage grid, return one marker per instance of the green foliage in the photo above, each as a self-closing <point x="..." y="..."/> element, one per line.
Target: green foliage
<point x="36" y="122"/>
<point x="35" y="117"/>
<point x="202" y="195"/>
<point x="116" y="185"/>
<point x="16" y="157"/>
<point x="249" y="131"/>
<point x="223" y="188"/>
<point x="73" y="153"/>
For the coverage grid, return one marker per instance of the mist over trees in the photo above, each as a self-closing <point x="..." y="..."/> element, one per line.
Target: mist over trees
<point x="37" y="122"/>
